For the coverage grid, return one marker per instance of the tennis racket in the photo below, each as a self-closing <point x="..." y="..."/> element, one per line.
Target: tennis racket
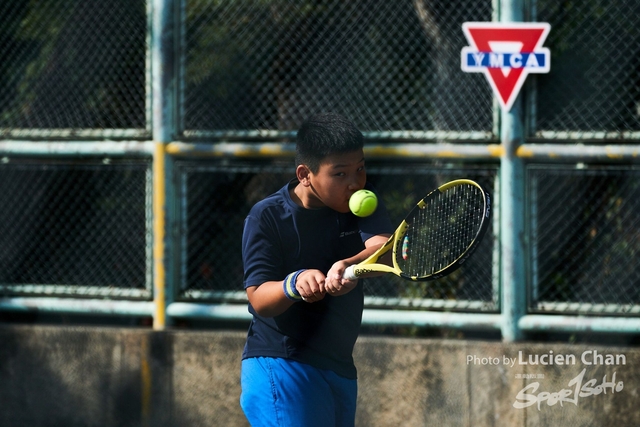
<point x="437" y="237"/>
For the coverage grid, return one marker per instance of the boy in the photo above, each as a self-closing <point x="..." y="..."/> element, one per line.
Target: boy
<point x="297" y="367"/>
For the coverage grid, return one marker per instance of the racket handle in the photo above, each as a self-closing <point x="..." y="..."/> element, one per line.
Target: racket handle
<point x="349" y="273"/>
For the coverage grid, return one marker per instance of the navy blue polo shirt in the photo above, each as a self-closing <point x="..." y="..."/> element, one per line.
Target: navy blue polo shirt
<point x="281" y="237"/>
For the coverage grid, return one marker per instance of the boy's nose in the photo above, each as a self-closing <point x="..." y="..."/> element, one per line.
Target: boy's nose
<point x="354" y="185"/>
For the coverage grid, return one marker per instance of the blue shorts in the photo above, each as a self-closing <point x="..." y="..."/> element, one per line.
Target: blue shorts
<point x="283" y="393"/>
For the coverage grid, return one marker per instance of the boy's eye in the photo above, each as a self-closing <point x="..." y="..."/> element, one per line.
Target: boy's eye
<point x="360" y="169"/>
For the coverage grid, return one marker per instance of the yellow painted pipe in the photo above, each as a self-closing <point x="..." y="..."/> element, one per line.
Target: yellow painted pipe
<point x="159" y="215"/>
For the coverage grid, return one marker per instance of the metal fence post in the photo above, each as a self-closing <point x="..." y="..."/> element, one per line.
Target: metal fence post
<point x="512" y="244"/>
<point x="164" y="90"/>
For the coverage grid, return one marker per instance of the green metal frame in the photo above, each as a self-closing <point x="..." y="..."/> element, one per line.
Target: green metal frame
<point x="510" y="152"/>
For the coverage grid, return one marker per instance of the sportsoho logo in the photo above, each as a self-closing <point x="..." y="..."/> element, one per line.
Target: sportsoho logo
<point x="506" y="53"/>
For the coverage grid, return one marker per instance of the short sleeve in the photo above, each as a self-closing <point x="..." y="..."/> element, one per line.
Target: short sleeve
<point x="261" y="254"/>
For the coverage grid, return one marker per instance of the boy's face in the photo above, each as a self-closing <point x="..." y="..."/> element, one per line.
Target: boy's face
<point x="339" y="176"/>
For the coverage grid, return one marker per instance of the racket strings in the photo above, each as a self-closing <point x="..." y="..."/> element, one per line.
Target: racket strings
<point x="442" y="231"/>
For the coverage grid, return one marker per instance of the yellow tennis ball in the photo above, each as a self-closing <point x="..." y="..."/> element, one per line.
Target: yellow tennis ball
<point x="363" y="203"/>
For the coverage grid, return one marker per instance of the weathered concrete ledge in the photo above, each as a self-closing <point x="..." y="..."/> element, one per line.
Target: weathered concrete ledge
<point x="95" y="376"/>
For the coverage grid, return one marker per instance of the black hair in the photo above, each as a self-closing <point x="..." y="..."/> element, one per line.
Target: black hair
<point x="325" y="134"/>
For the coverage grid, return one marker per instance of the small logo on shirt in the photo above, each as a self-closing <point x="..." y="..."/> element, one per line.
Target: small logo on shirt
<point x="348" y="233"/>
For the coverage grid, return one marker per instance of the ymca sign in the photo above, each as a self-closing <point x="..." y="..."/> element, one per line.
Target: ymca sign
<point x="506" y="53"/>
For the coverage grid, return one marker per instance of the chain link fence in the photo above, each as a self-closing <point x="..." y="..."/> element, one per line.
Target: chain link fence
<point x="75" y="228"/>
<point x="252" y="71"/>
<point x="593" y="88"/>
<point x="585" y="241"/>
<point x="252" y="67"/>
<point x="217" y="198"/>
<point x="73" y="68"/>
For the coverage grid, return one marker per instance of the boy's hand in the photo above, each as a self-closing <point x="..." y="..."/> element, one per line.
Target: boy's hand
<point x="311" y="285"/>
<point x="335" y="285"/>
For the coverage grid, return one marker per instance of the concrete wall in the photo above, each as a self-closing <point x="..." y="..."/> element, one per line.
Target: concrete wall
<point x="88" y="376"/>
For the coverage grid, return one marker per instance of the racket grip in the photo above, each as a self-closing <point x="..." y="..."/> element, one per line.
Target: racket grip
<point x="349" y="273"/>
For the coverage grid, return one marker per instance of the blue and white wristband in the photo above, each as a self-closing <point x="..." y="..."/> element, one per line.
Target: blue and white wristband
<point x="289" y="286"/>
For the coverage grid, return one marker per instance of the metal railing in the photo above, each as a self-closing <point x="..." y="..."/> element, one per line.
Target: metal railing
<point x="124" y="190"/>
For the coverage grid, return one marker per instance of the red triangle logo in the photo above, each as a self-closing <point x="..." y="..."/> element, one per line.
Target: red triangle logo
<point x="506" y="53"/>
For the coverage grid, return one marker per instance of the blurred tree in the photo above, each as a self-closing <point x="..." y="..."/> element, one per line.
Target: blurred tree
<point x="73" y="64"/>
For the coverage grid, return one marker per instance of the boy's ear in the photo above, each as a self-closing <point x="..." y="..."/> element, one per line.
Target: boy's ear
<point x="303" y="174"/>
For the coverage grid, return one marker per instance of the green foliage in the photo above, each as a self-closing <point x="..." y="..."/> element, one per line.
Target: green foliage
<point x="73" y="64"/>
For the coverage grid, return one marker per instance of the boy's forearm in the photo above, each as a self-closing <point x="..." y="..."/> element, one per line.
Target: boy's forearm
<point x="371" y="246"/>
<point x="268" y="299"/>
<point x="361" y="256"/>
